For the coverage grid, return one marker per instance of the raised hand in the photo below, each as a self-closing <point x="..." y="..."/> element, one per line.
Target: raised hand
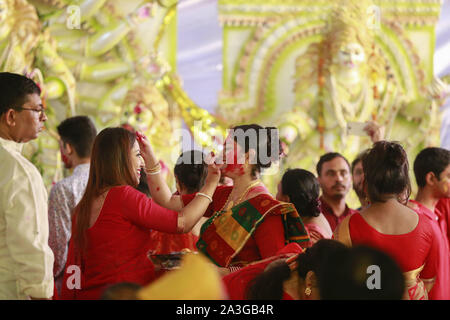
<point x="213" y="176"/>
<point x="146" y="150"/>
<point x="374" y="131"/>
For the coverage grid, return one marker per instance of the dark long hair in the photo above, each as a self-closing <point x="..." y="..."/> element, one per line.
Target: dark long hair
<point x="269" y="284"/>
<point x="110" y="166"/>
<point x="386" y="171"/>
<point x="303" y="190"/>
<point x="267" y="139"/>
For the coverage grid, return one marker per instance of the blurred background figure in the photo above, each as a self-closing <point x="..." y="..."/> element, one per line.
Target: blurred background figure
<point x="77" y="135"/>
<point x="333" y="174"/>
<point x="362" y="273"/>
<point x="295" y="279"/>
<point x="301" y="188"/>
<point x="432" y="171"/>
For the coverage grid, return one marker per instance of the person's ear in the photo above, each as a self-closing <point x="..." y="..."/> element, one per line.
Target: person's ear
<point x="430" y="178"/>
<point x="68" y="148"/>
<point x="310" y="279"/>
<point x="10" y="117"/>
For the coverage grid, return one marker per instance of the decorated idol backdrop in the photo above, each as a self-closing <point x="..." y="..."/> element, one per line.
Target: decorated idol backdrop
<point x="307" y="67"/>
<point x="313" y="67"/>
<point x="112" y="60"/>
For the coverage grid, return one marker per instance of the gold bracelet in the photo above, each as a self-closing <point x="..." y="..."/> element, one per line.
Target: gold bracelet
<point x="155" y="169"/>
<point x="153" y="173"/>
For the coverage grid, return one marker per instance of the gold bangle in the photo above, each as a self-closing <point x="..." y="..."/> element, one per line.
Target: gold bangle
<point x="153" y="173"/>
<point x="154" y="169"/>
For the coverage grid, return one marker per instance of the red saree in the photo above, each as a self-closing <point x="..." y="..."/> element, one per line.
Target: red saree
<point x="416" y="252"/>
<point x="164" y="243"/>
<point x="250" y="231"/>
<point x="118" y="243"/>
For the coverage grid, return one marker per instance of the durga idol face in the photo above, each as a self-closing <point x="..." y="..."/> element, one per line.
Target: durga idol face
<point x="351" y="56"/>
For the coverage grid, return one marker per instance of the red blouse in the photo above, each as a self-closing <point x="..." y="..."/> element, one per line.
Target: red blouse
<point x="410" y="250"/>
<point x="118" y="243"/>
<point x="267" y="239"/>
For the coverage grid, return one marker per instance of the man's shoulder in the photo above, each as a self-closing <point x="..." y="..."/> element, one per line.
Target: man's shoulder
<point x="16" y="167"/>
<point x="74" y="179"/>
<point x="71" y="185"/>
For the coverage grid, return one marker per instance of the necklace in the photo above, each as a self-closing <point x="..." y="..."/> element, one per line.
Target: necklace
<point x="229" y="204"/>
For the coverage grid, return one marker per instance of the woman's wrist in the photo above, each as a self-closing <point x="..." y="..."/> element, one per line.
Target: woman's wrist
<point x="151" y="162"/>
<point x="152" y="170"/>
<point x="209" y="188"/>
<point x="207" y="196"/>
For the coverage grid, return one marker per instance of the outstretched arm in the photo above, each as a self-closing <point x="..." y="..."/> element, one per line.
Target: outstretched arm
<point x="191" y="213"/>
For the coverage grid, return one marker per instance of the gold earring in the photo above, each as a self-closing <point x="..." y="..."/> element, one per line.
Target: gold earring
<point x="308" y="291"/>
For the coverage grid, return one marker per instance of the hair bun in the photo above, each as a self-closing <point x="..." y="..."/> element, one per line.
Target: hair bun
<point x="274" y="147"/>
<point x="314" y="207"/>
<point x="395" y="154"/>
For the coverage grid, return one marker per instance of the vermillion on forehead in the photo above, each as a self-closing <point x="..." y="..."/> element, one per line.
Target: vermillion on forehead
<point x="233" y="153"/>
<point x="232" y="163"/>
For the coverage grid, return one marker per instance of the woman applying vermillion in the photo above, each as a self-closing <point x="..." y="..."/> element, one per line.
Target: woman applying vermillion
<point x="245" y="222"/>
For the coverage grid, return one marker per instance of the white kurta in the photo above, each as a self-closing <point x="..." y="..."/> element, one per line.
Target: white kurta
<point x="26" y="260"/>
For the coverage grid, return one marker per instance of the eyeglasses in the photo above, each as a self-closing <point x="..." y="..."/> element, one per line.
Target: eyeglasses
<point x="40" y="111"/>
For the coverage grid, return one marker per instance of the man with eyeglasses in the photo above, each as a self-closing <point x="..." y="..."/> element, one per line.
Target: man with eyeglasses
<point x="26" y="260"/>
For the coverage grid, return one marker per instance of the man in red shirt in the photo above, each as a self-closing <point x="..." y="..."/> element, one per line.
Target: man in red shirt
<point x="333" y="172"/>
<point x="443" y="212"/>
<point x="432" y="171"/>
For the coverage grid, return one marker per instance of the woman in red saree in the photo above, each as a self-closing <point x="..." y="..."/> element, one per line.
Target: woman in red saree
<point x="301" y="188"/>
<point x="388" y="224"/>
<point x="110" y="230"/>
<point x="246" y="223"/>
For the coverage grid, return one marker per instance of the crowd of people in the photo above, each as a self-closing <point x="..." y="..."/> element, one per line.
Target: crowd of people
<point x="97" y="233"/>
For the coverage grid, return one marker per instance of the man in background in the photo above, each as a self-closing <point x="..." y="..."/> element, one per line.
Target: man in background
<point x="77" y="136"/>
<point x="334" y="177"/>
